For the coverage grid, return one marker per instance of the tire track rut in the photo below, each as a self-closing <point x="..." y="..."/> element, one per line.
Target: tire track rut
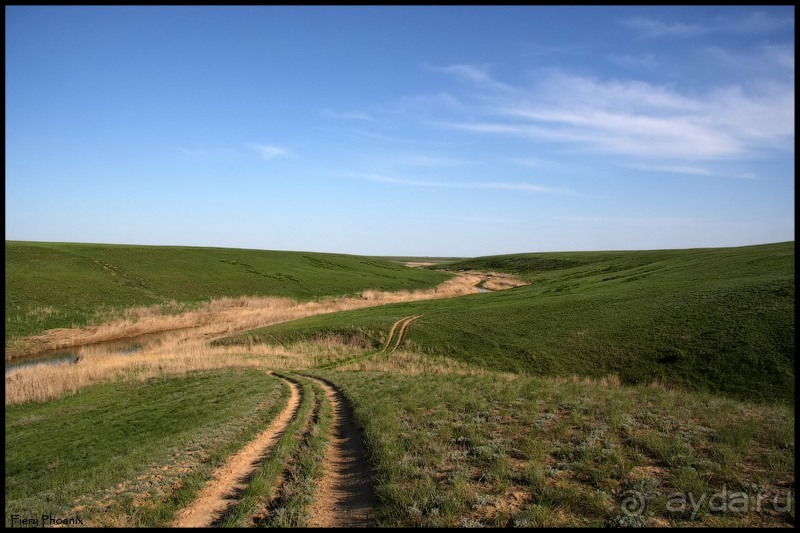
<point x="403" y="330"/>
<point x="401" y="326"/>
<point x="346" y="492"/>
<point x="232" y="478"/>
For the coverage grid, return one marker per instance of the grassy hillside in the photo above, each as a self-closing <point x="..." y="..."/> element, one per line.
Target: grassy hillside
<point x="52" y="285"/>
<point x="452" y="442"/>
<point x="718" y="320"/>
<point x="495" y="451"/>
<point x="107" y="443"/>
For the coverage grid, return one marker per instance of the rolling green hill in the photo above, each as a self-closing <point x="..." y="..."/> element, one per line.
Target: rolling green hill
<point x="718" y="320"/>
<point x="52" y="285"/>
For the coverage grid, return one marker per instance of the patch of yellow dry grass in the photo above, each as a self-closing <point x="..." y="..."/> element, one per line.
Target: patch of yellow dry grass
<point x="411" y="363"/>
<point x="189" y="350"/>
<point x="225" y="316"/>
<point x="611" y="380"/>
<point x="172" y="357"/>
<point x="496" y="281"/>
<point x="40" y="312"/>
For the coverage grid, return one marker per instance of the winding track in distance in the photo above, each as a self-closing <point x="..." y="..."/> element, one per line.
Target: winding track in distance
<point x="401" y="326"/>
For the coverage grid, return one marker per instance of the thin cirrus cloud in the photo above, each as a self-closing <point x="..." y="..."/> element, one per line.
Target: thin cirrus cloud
<point x="695" y="171"/>
<point x="657" y="28"/>
<point x="755" y="22"/>
<point x="472" y="73"/>
<point x="497" y="186"/>
<point x="269" y="151"/>
<point x="646" y="61"/>
<point x="346" y="115"/>
<point x="641" y="119"/>
<point x="760" y="61"/>
<point x="478" y="73"/>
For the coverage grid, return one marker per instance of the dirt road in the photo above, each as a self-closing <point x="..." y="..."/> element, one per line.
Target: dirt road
<point x="233" y="477"/>
<point x="345" y="496"/>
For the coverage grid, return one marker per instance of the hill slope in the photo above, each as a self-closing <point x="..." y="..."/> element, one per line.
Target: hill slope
<point x="719" y="320"/>
<point x="51" y="285"/>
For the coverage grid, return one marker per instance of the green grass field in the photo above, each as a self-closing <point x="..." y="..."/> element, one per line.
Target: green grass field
<point x="717" y="320"/>
<point x="616" y="389"/>
<point x="56" y="285"/>
<point x="488" y="451"/>
<point x="101" y="450"/>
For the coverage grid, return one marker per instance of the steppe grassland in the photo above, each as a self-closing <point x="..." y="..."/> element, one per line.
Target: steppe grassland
<point x="226" y="315"/>
<point x="219" y="317"/>
<point x="474" y="450"/>
<point x="718" y="320"/>
<point x="135" y="447"/>
<point x="458" y="443"/>
<point x="63" y="285"/>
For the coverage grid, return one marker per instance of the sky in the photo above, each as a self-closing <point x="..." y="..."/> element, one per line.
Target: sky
<point x="405" y="131"/>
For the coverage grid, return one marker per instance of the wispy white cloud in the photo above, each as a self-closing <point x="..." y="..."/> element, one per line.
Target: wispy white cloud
<point x="478" y="74"/>
<point x="657" y="28"/>
<point x="749" y="23"/>
<point x="779" y="54"/>
<point x="622" y="134"/>
<point x="646" y="61"/>
<point x="347" y="115"/>
<point x="636" y="118"/>
<point x="755" y="22"/>
<point x="489" y="185"/>
<point x="765" y="61"/>
<point x="269" y="151"/>
<point x="694" y="171"/>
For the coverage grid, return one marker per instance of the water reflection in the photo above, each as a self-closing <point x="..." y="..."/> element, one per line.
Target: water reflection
<point x="61" y="356"/>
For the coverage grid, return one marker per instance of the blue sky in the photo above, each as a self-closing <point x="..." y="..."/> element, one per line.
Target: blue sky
<point x="428" y="131"/>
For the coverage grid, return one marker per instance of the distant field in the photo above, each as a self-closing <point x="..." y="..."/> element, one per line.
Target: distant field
<point x="423" y="259"/>
<point x="56" y="285"/>
<point x="718" y="320"/>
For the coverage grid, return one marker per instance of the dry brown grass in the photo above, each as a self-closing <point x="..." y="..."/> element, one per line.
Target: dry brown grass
<point x="496" y="281"/>
<point x="188" y="350"/>
<point x="172" y="357"/>
<point x="40" y="312"/>
<point x="224" y="316"/>
<point x="611" y="380"/>
<point x="411" y="363"/>
<point x="39" y="383"/>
